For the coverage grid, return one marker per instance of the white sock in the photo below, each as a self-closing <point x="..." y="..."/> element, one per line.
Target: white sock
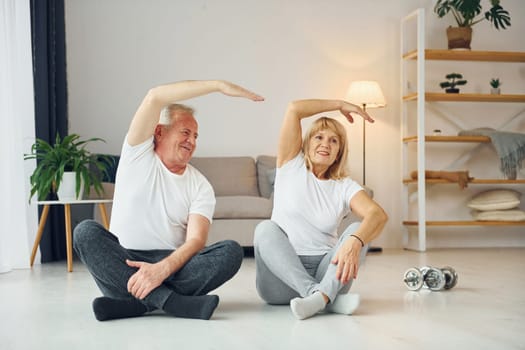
<point x="344" y="304"/>
<point x="306" y="307"/>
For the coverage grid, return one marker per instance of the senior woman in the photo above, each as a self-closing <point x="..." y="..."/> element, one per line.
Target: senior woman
<point x="300" y="259"/>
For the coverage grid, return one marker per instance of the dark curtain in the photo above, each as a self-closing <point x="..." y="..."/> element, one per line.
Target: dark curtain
<point x="50" y="84"/>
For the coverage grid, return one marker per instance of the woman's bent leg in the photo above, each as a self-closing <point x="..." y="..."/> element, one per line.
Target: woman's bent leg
<point x="340" y="300"/>
<point x="326" y="272"/>
<point x="270" y="288"/>
<point x="280" y="275"/>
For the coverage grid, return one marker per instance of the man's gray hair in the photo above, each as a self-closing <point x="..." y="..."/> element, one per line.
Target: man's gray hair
<point x="167" y="113"/>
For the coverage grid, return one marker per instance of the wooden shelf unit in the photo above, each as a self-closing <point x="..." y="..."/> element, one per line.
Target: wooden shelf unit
<point x="420" y="55"/>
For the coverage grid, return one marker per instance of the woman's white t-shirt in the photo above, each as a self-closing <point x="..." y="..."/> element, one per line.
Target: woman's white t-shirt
<point x="310" y="210"/>
<point x="151" y="204"/>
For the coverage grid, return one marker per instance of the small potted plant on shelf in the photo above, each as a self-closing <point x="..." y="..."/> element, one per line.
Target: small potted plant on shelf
<point x="66" y="163"/>
<point x="453" y="80"/>
<point x="467" y="13"/>
<point x="495" y="86"/>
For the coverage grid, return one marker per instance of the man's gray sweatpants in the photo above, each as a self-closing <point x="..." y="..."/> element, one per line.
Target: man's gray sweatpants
<point x="105" y="259"/>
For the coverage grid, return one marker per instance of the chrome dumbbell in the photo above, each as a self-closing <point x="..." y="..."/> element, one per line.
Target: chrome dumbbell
<point x="432" y="278"/>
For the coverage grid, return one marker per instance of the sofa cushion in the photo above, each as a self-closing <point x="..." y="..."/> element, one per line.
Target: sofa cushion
<point x="229" y="176"/>
<point x="266" y="174"/>
<point x="242" y="207"/>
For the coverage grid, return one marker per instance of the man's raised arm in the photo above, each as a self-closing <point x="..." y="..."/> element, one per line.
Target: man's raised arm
<point x="147" y="115"/>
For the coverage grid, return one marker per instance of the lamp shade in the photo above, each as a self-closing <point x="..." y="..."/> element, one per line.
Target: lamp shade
<point x="366" y="93"/>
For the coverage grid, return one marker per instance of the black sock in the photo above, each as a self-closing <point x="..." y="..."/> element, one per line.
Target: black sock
<point x="106" y="308"/>
<point x="200" y="307"/>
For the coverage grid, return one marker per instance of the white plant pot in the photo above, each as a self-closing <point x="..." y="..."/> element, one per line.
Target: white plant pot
<point x="66" y="191"/>
<point x="495" y="91"/>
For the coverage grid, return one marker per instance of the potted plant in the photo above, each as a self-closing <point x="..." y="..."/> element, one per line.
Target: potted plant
<point x="67" y="156"/>
<point x="453" y="80"/>
<point x="495" y="86"/>
<point x="467" y="13"/>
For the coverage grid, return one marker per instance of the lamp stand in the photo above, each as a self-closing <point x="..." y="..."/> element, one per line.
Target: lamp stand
<point x="364" y="148"/>
<point x="371" y="249"/>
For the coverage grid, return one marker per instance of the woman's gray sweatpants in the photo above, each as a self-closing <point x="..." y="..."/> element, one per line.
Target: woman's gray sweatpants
<point x="282" y="275"/>
<point x="105" y="259"/>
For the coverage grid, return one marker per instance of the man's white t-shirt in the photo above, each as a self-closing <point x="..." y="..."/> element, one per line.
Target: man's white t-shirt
<point x="151" y="204"/>
<point x="310" y="210"/>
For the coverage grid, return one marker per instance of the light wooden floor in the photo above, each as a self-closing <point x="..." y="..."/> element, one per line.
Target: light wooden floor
<point x="48" y="308"/>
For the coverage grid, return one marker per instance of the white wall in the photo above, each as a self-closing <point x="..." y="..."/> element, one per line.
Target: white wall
<point x="284" y="50"/>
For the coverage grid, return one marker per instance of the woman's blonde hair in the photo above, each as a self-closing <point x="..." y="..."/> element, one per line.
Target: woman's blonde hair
<point x="338" y="169"/>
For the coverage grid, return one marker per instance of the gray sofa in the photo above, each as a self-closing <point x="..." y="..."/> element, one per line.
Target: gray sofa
<point x="244" y="192"/>
<point x="243" y="188"/>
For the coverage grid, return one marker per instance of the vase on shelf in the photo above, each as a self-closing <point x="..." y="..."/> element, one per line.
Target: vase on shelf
<point x="459" y="38"/>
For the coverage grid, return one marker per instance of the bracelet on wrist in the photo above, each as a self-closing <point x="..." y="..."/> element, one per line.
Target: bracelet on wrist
<point x="359" y="239"/>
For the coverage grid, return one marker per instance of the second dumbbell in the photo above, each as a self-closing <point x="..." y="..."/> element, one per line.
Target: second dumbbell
<point x="433" y="278"/>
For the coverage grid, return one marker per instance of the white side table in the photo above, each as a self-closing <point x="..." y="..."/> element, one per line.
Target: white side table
<point x="67" y="211"/>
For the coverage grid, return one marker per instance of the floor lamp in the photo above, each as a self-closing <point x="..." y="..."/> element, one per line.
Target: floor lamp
<point x="366" y="94"/>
